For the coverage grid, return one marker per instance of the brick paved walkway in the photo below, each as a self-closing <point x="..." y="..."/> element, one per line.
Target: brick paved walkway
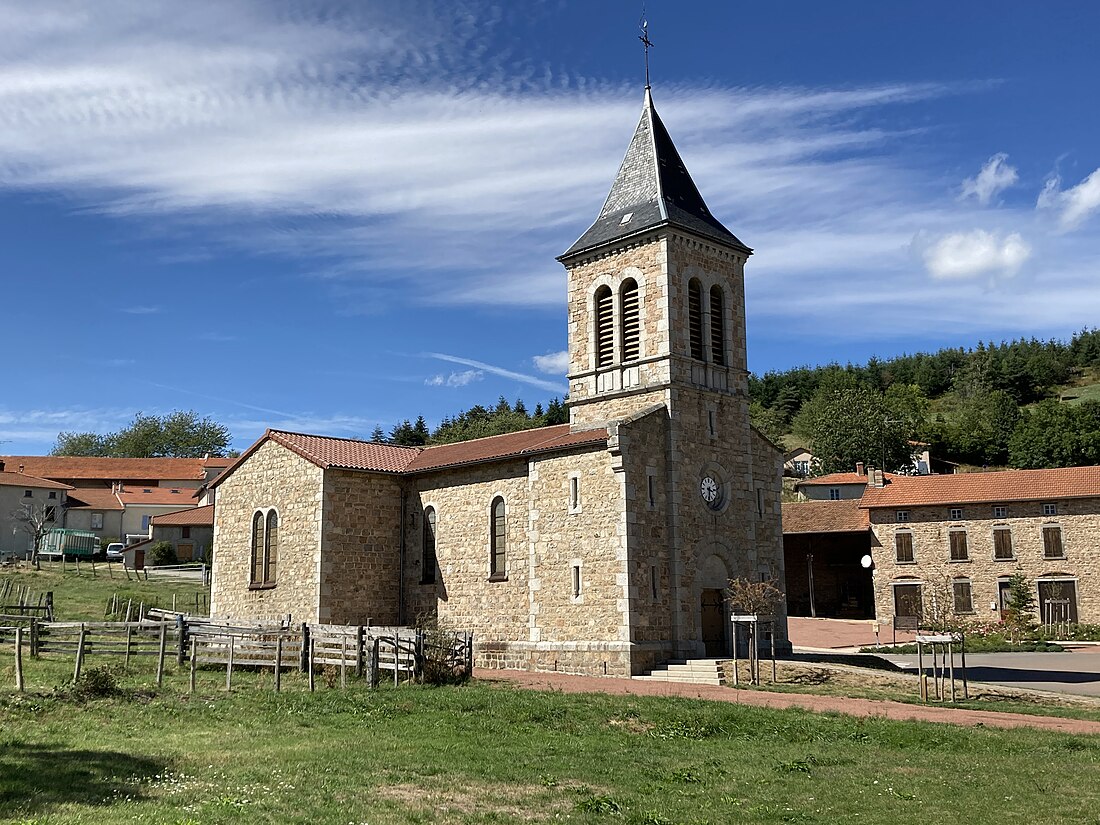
<point x="836" y="704"/>
<point x="834" y="634"/>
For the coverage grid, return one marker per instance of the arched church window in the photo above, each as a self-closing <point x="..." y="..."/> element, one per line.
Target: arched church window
<point x="631" y="321"/>
<point x="695" y="319"/>
<point x="497" y="542"/>
<point x="605" y="331"/>
<point x="271" y="547"/>
<point x="717" y="327"/>
<point x="257" y="568"/>
<point x="428" y="558"/>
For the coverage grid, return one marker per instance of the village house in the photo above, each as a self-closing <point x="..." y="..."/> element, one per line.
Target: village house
<point x="601" y="546"/>
<point x="24" y="497"/>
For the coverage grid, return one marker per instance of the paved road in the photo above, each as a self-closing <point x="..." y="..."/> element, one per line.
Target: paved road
<point x="1075" y="671"/>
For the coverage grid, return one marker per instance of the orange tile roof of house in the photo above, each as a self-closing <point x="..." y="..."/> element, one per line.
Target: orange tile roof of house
<point x="94" y="498"/>
<point x="844" y="516"/>
<point x="195" y="517"/>
<point x="114" y="469"/>
<point x="833" y="478"/>
<point x="509" y="445"/>
<point x="155" y="496"/>
<point x="351" y="454"/>
<point x="1003" y="485"/>
<point x="24" y="480"/>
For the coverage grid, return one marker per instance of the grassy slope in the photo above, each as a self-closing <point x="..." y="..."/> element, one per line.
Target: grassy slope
<point x="481" y="754"/>
<point x="83" y="597"/>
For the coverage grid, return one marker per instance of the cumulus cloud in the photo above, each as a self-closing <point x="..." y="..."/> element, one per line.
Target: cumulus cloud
<point x="553" y="363"/>
<point x="994" y="177"/>
<point x="1075" y="204"/>
<point x="962" y="255"/>
<point x="455" y="379"/>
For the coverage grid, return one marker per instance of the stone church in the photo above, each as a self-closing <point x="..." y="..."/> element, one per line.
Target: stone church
<point x="601" y="546"/>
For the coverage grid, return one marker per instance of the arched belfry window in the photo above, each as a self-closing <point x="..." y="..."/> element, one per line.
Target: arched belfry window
<point x="605" y="329"/>
<point x="428" y="558"/>
<point x="631" y="324"/>
<point x="695" y="319"/>
<point x="717" y="327"/>
<point x="498" y="541"/>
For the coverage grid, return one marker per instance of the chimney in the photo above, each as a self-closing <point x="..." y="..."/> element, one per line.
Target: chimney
<point x="21" y="466"/>
<point x="879" y="481"/>
<point x="859" y="468"/>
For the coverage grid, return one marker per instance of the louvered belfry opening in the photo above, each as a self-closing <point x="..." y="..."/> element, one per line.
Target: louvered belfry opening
<point x="605" y="329"/>
<point x="632" y="344"/>
<point x="695" y="319"/>
<point x="717" y="327"/>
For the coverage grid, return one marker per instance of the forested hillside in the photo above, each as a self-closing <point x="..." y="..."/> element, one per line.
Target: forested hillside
<point x="476" y="422"/>
<point x="1024" y="403"/>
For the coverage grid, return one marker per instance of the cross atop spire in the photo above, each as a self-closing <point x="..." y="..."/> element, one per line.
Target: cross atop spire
<point x="647" y="44"/>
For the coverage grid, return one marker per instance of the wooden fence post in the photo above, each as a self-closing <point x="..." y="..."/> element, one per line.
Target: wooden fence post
<point x="194" y="661"/>
<point x="79" y="653"/>
<point x="229" y="667"/>
<point x="278" y="662"/>
<point x="34" y="638"/>
<point x="360" y="635"/>
<point x="309" y="664"/>
<point x="160" y="653"/>
<point x="304" y="655"/>
<point x="129" y="634"/>
<point x="19" y="659"/>
<point x="418" y="657"/>
<point x="343" y="660"/>
<point x="49" y="605"/>
<point x="180" y="640"/>
<point x="374" y="663"/>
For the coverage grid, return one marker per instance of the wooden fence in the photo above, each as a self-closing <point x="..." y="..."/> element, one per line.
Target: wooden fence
<point x="333" y="651"/>
<point x="20" y="600"/>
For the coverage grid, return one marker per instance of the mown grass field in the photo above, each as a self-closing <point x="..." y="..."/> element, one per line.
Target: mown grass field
<point x="490" y="754"/>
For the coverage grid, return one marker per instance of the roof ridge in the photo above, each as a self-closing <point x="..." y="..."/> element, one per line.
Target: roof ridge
<point x="431" y="447"/>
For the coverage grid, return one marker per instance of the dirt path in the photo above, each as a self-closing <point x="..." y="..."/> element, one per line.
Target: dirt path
<point x="836" y="704"/>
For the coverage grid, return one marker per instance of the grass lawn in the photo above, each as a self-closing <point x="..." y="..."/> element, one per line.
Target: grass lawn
<point x="83" y="596"/>
<point x="491" y="754"/>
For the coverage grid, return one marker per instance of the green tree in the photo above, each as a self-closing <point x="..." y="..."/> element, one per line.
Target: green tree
<point x="769" y="421"/>
<point x="180" y="434"/>
<point x="1057" y="435"/>
<point x="1019" y="615"/>
<point x="846" y="424"/>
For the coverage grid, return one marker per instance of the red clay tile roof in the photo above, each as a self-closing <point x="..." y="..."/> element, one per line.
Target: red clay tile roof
<point x="24" y="480"/>
<point x="346" y="453"/>
<point x="195" y="517"/>
<point x="509" y="445"/>
<point x="156" y="496"/>
<point x="351" y="454"/>
<point x="94" y="498"/>
<point x="113" y="469"/>
<point x="833" y="479"/>
<point x="1004" y="485"/>
<point x="844" y="516"/>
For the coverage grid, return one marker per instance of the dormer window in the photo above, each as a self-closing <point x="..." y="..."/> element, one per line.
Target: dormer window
<point x="626" y="219"/>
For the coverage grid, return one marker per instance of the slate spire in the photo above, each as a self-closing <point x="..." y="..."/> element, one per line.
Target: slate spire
<point x="653" y="188"/>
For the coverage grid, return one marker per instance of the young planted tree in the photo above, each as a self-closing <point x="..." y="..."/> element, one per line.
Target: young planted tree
<point x="1019" y="615"/>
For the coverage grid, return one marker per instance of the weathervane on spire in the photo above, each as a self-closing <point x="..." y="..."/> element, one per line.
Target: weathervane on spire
<point x="647" y="44"/>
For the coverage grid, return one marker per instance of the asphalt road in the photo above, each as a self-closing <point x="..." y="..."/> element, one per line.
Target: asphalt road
<point x="1073" y="671"/>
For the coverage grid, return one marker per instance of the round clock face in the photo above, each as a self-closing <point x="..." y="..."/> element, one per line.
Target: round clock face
<point x="708" y="489"/>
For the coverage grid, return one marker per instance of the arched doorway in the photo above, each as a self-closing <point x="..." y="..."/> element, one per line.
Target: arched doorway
<point x="714" y="626"/>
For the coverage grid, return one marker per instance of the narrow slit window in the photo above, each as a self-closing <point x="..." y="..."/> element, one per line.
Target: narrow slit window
<point x="605" y="329"/>
<point x="498" y="542"/>
<point x="653" y="581"/>
<point x="574" y="493"/>
<point x="632" y="343"/>
<point x="576" y="581"/>
<point x="695" y="320"/>
<point x="651" y="490"/>
<point x="428" y="560"/>
<point x="717" y="327"/>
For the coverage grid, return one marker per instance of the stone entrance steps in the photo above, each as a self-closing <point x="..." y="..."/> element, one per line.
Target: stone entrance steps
<point x="691" y="671"/>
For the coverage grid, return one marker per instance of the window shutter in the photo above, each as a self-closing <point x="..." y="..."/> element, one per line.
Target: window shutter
<point x="631" y="321"/>
<point x="605" y="332"/>
<point x="717" y="327"/>
<point x="695" y="320"/>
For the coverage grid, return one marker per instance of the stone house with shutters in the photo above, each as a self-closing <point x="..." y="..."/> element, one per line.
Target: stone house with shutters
<point x="959" y="538"/>
<point x="601" y="546"/>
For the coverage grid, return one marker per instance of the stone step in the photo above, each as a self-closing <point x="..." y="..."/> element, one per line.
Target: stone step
<point x="692" y="671"/>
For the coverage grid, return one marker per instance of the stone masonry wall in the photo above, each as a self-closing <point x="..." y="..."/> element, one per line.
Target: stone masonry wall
<point x="361" y="543"/>
<point x="273" y="476"/>
<point x="932" y="565"/>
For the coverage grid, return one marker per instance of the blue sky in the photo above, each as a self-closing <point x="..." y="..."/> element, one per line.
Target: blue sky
<point x="327" y="216"/>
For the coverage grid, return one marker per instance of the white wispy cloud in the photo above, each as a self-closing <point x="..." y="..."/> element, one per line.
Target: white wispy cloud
<point x="141" y="310"/>
<point x="455" y="379"/>
<point x="389" y="143"/>
<point x="553" y="363"/>
<point x="533" y="380"/>
<point x="996" y="176"/>
<point x="1074" y="205"/>
<point x="975" y="253"/>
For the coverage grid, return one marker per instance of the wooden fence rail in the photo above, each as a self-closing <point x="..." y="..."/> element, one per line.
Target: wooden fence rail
<point x="366" y="652"/>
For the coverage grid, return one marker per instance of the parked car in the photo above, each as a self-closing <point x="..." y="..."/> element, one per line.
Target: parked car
<point x="114" y="551"/>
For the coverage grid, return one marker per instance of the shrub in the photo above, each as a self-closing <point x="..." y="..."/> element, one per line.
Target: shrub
<point x="96" y="683"/>
<point x="161" y="553"/>
<point x="440" y="667"/>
